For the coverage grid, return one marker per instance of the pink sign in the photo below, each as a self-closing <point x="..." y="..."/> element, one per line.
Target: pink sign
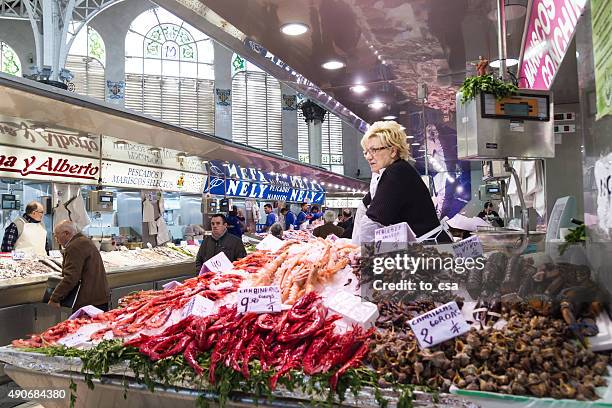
<point x="550" y="29"/>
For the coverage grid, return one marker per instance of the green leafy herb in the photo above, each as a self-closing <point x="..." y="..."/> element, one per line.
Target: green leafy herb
<point x="474" y="85"/>
<point x="576" y="236"/>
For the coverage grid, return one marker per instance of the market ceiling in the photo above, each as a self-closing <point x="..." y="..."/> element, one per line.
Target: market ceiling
<point x="388" y="46"/>
<point x="41" y="106"/>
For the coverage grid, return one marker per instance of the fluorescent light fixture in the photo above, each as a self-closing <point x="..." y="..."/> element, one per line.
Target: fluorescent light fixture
<point x="155" y="150"/>
<point x="204" y="161"/>
<point x="359" y="89"/>
<point x="376" y="105"/>
<point x="39" y="129"/>
<point x="120" y="143"/>
<point x="342" y="188"/>
<point x="510" y="62"/>
<point x="83" y="138"/>
<point x="333" y="64"/>
<point x="409" y="137"/>
<point x="390" y="117"/>
<point x="335" y="186"/>
<point x="416" y="144"/>
<point x="294" y="29"/>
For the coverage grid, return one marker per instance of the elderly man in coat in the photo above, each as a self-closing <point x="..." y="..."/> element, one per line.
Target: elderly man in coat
<point x="82" y="266"/>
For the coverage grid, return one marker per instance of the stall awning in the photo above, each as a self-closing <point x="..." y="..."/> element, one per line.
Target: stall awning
<point x="41" y="105"/>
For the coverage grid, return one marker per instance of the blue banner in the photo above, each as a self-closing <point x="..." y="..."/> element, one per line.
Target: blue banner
<point x="231" y="180"/>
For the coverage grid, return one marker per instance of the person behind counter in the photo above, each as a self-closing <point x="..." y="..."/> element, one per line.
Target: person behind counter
<point x="82" y="266"/>
<point x="289" y="218"/>
<point x="346" y="223"/>
<point x="277" y="230"/>
<point x="27" y="233"/>
<point x="219" y="241"/>
<point x="302" y="216"/>
<point x="234" y="225"/>
<point x="315" y="213"/>
<point x="488" y="214"/>
<point x="270" y="217"/>
<point x="328" y="228"/>
<point x="398" y="194"/>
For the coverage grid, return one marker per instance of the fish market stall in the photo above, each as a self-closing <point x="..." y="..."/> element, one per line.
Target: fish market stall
<point x="287" y="323"/>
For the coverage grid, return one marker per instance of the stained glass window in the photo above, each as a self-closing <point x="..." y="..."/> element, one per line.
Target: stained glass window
<point x="86" y="61"/>
<point x="169" y="70"/>
<point x="9" y="61"/>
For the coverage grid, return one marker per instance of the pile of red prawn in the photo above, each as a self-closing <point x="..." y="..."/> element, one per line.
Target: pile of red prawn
<point x="149" y="312"/>
<point x="302" y="337"/>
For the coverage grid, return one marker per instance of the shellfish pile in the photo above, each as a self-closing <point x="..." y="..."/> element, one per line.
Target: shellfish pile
<point x="531" y="355"/>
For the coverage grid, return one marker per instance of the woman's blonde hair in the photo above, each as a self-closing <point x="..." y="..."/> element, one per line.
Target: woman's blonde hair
<point x="390" y="134"/>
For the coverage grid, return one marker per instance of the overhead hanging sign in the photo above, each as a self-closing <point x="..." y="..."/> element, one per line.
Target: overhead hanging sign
<point x="15" y="132"/>
<point x="130" y="152"/>
<point x="548" y="34"/>
<point x="36" y="165"/>
<point x="128" y="175"/>
<point x="229" y="179"/>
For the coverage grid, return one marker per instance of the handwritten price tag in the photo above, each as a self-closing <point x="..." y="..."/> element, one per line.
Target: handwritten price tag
<point x="468" y="248"/>
<point x="172" y="285"/>
<point x="88" y="310"/>
<point x="218" y="263"/>
<point x="198" y="306"/>
<point x="438" y="325"/>
<point x="18" y="255"/>
<point x="74" y="340"/>
<point x="55" y="254"/>
<point x="262" y="299"/>
<point x="393" y="238"/>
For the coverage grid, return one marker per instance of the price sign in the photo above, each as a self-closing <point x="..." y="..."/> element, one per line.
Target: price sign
<point x="88" y="310"/>
<point x="262" y="299"/>
<point x="18" y="255"/>
<point x="56" y="254"/>
<point x="468" y="248"/>
<point x="74" y="340"/>
<point x="183" y="244"/>
<point x="270" y="243"/>
<point x="172" y="285"/>
<point x="198" y="306"/>
<point x="393" y="238"/>
<point x="218" y="263"/>
<point x="438" y="325"/>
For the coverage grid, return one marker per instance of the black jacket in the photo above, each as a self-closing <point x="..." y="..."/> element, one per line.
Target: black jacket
<point x="348" y="227"/>
<point x="229" y="244"/>
<point x="401" y="196"/>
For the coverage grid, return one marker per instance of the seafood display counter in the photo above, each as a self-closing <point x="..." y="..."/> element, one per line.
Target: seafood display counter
<point x="289" y="326"/>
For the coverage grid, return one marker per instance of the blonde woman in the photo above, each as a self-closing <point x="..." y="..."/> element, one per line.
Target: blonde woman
<point x="399" y="195"/>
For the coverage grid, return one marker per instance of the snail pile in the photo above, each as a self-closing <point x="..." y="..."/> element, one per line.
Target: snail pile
<point x="531" y="355"/>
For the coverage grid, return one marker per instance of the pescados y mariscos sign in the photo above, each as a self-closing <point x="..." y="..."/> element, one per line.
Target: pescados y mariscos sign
<point x="232" y="180"/>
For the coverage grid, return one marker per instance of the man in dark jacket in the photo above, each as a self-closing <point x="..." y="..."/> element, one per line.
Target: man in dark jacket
<point x="219" y="241"/>
<point x="328" y="228"/>
<point x="347" y="223"/>
<point x="82" y="266"/>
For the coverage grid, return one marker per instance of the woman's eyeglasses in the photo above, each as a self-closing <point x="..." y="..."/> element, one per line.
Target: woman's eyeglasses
<point x="373" y="150"/>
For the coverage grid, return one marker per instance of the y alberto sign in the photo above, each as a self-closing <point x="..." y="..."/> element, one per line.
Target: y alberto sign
<point x="37" y="165"/>
<point x="549" y="32"/>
